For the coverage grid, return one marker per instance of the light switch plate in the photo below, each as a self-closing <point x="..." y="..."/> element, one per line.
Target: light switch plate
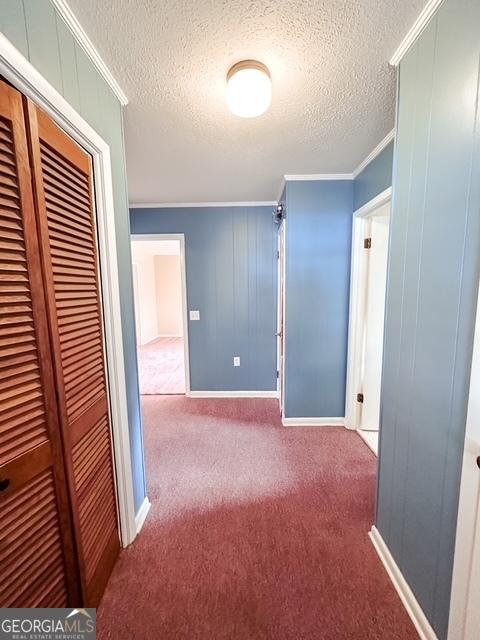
<point x="194" y="314"/>
<point x="236" y="361"/>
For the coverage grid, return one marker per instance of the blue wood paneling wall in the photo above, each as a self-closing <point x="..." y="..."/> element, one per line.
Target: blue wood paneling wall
<point x="231" y="264"/>
<point x="432" y="289"/>
<point x="36" y="29"/>
<point x="375" y="178"/>
<point x="317" y="284"/>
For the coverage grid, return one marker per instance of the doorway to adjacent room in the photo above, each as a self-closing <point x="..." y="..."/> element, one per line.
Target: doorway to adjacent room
<point x="160" y="311"/>
<point x="367" y="310"/>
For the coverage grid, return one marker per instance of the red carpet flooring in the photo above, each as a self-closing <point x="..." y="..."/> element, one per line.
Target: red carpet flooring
<point x="256" y="532"/>
<point x="161" y="367"/>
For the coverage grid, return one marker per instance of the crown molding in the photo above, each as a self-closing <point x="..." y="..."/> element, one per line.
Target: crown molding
<point x="318" y="176"/>
<point x="374" y="153"/>
<point x="282" y="187"/>
<point x="84" y="41"/>
<point x="201" y="205"/>
<point x="414" y="32"/>
<point x="311" y="177"/>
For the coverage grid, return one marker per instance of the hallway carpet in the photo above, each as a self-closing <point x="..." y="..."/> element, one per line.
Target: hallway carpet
<point x="161" y="367"/>
<point x="256" y="532"/>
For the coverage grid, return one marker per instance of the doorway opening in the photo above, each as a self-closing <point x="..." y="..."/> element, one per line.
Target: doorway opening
<point x="367" y="311"/>
<point x="159" y="284"/>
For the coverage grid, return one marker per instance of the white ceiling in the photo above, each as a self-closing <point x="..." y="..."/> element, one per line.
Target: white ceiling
<point x="333" y="90"/>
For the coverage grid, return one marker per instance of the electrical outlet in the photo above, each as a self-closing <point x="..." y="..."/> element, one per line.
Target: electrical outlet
<point x="194" y="314"/>
<point x="236" y="361"/>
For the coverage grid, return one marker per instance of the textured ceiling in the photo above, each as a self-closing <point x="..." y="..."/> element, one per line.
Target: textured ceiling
<point x="333" y="90"/>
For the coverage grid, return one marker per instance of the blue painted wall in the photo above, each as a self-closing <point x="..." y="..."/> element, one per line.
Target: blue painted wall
<point x="36" y="29"/>
<point x="375" y="178"/>
<point x="317" y="281"/>
<point x="231" y="260"/>
<point x="432" y="290"/>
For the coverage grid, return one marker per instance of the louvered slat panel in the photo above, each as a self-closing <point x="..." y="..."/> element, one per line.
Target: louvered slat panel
<point x="33" y="528"/>
<point x="67" y="226"/>
<point x="30" y="544"/>
<point x="77" y="251"/>
<point x="97" y="524"/>
<point x="16" y="336"/>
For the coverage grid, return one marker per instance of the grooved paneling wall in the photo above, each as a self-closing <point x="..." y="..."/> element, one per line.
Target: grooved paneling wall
<point x="375" y="178"/>
<point x="231" y="266"/>
<point x="432" y="290"/>
<point x="39" y="33"/>
<point x="317" y="284"/>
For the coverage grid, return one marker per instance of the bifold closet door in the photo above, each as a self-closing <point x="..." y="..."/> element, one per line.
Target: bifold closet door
<point x="37" y="557"/>
<point x="63" y="184"/>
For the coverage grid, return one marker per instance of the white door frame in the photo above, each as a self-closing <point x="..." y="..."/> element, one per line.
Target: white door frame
<point x="136" y="301"/>
<point x="183" y="268"/>
<point x="466" y="580"/>
<point x="23" y="75"/>
<point x="281" y="315"/>
<point x="358" y="283"/>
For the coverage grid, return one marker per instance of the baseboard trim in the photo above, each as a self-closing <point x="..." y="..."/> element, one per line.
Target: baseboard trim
<point x="233" y="394"/>
<point x="161" y="335"/>
<point x="361" y="433"/>
<point x="413" y="608"/>
<point x="313" y="422"/>
<point x="144" y="344"/>
<point x="142" y="514"/>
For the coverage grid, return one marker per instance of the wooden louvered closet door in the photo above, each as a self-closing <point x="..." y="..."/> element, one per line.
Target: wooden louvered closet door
<point x="37" y="558"/>
<point x="66" y="221"/>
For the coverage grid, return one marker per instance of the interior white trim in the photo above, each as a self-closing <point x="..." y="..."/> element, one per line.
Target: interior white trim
<point x="362" y="433"/>
<point x="234" y="394"/>
<point x="21" y="73"/>
<point x="340" y="176"/>
<point x="279" y="312"/>
<point x="142" y="344"/>
<point x="415" y="31"/>
<point x="313" y="422"/>
<point x="375" y="152"/>
<point x="462" y="625"/>
<point x="87" y="45"/>
<point x="183" y="268"/>
<point x="281" y="319"/>
<point x="201" y="205"/>
<point x="318" y="176"/>
<point x="283" y="391"/>
<point x="376" y="202"/>
<point x="161" y="335"/>
<point x="414" y="610"/>
<point x="142" y="515"/>
<point x="358" y="276"/>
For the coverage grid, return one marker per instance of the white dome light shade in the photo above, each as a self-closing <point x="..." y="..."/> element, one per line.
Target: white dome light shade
<point x="249" y="89"/>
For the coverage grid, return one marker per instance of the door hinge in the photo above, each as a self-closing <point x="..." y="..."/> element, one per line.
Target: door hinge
<point x="278" y="374"/>
<point x="367" y="243"/>
<point x="278" y="255"/>
<point x="360" y="397"/>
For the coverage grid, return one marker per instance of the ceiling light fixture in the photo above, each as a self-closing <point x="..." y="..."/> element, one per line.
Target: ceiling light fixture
<point x="249" y="89"/>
